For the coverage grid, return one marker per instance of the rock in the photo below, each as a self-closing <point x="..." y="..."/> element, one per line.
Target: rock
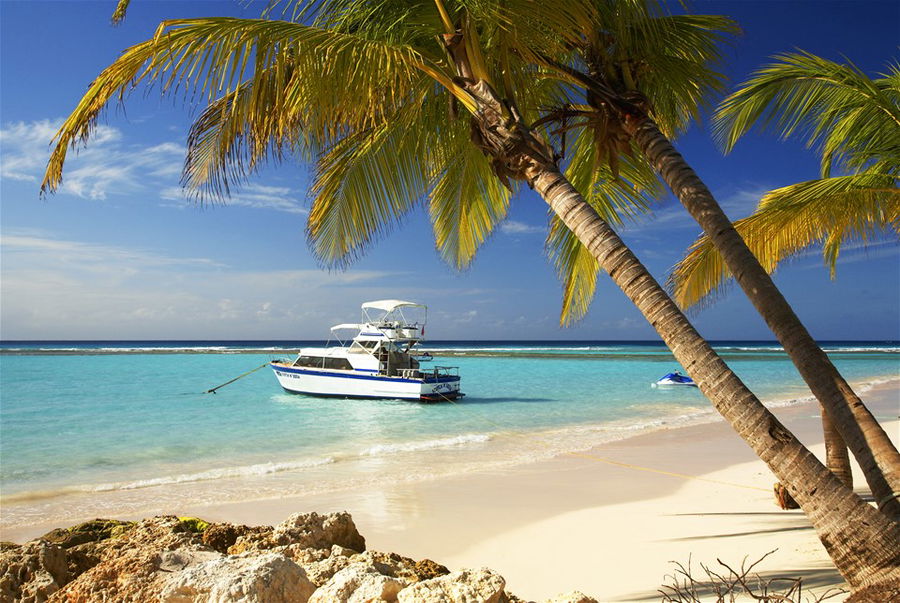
<point x="222" y="536"/>
<point x="464" y="586"/>
<point x="358" y="583"/>
<point x="572" y="597"/>
<point x="181" y="559"/>
<point x="427" y="569"/>
<point x="32" y="572"/>
<point x="322" y="564"/>
<point x="340" y="551"/>
<point x="194" y="524"/>
<point x="265" y="578"/>
<point x="322" y="570"/>
<point x="392" y="564"/>
<point x="82" y="557"/>
<point x="311" y="530"/>
<point x="253" y="539"/>
<point x="89" y="531"/>
<point x="129" y="566"/>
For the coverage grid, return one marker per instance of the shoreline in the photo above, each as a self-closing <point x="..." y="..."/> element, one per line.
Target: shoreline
<point x="546" y="526"/>
<point x="328" y="476"/>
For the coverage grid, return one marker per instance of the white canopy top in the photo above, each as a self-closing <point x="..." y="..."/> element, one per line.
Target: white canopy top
<point x="389" y="305"/>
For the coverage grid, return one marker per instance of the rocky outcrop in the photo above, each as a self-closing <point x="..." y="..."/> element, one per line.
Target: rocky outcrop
<point x="89" y="531"/>
<point x="358" y="583"/>
<point x="269" y="577"/>
<point x="465" y="586"/>
<point x="308" y="558"/>
<point x="32" y="572"/>
<point x="314" y="531"/>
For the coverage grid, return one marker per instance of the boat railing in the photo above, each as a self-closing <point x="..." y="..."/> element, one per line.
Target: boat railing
<point x="397" y="330"/>
<point x="442" y="371"/>
<point x="431" y="373"/>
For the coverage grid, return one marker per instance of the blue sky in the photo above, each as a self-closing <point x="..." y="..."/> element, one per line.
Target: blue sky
<point x="118" y="253"/>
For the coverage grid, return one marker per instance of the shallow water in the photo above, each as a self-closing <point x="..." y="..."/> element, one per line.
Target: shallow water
<point x="92" y="428"/>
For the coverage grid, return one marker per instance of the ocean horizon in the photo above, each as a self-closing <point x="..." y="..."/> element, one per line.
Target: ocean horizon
<point x="93" y="428"/>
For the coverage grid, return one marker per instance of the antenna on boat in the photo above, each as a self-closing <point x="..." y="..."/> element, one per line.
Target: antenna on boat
<point x="213" y="390"/>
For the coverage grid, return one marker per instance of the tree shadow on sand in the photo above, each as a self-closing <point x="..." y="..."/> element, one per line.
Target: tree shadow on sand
<point x="727" y="581"/>
<point x="702" y="583"/>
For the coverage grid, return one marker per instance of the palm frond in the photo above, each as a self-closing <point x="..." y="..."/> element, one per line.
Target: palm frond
<point x="577" y="270"/>
<point x="119" y="14"/>
<point x="367" y="182"/>
<point x="673" y="62"/>
<point x="349" y="80"/>
<point x="849" y="117"/>
<point x="831" y="212"/>
<point x="616" y="199"/>
<point x="237" y="132"/>
<point x="467" y="202"/>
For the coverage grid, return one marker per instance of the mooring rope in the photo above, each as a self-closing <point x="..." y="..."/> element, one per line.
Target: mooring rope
<point x="241" y="376"/>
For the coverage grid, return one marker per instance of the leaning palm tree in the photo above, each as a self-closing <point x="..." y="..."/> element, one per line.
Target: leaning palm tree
<point x="398" y="104"/>
<point x="854" y="123"/>
<point x="633" y="68"/>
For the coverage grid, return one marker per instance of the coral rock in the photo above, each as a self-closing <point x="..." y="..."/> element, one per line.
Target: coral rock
<point x="222" y="536"/>
<point x="263" y="578"/>
<point x="311" y="530"/>
<point x="89" y="531"/>
<point x="129" y="567"/>
<point x="32" y="572"/>
<point x="358" y="584"/>
<point x="464" y="586"/>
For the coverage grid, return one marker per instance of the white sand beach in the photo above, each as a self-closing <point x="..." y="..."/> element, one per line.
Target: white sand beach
<point x="611" y="531"/>
<point x="609" y="522"/>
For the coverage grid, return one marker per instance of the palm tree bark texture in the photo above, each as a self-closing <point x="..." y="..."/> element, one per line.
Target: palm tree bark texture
<point x="877" y="456"/>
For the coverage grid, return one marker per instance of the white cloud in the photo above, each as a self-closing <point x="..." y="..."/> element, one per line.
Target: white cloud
<point x="107" y="166"/>
<point x="512" y="227"/>
<point x="111" y="166"/>
<point x="24" y="148"/>
<point x="60" y="289"/>
<point x="672" y="215"/>
<point x="278" y="198"/>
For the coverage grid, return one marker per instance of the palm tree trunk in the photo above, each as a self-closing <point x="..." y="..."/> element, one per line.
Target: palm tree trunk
<point x="837" y="457"/>
<point x="863" y="543"/>
<point x="877" y="456"/>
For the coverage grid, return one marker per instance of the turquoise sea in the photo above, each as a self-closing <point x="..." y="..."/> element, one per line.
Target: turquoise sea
<point x="95" y="428"/>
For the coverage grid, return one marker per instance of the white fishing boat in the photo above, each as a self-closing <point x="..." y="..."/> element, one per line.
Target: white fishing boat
<point x="378" y="362"/>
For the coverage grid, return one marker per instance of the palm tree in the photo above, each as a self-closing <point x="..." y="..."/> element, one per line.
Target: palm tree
<point x="854" y="122"/>
<point x="370" y="89"/>
<point x="632" y="71"/>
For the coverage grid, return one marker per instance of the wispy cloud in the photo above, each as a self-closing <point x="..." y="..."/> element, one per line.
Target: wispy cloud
<point x="55" y="288"/>
<point x="24" y="148"/>
<point x="512" y="227"/>
<point x="278" y="198"/>
<point x="34" y="246"/>
<point x="108" y="166"/>
<point x="113" y="167"/>
<point x="672" y="215"/>
<point x="851" y="253"/>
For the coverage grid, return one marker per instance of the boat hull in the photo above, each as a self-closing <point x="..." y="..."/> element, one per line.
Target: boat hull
<point x="670" y="383"/>
<point x="334" y="383"/>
